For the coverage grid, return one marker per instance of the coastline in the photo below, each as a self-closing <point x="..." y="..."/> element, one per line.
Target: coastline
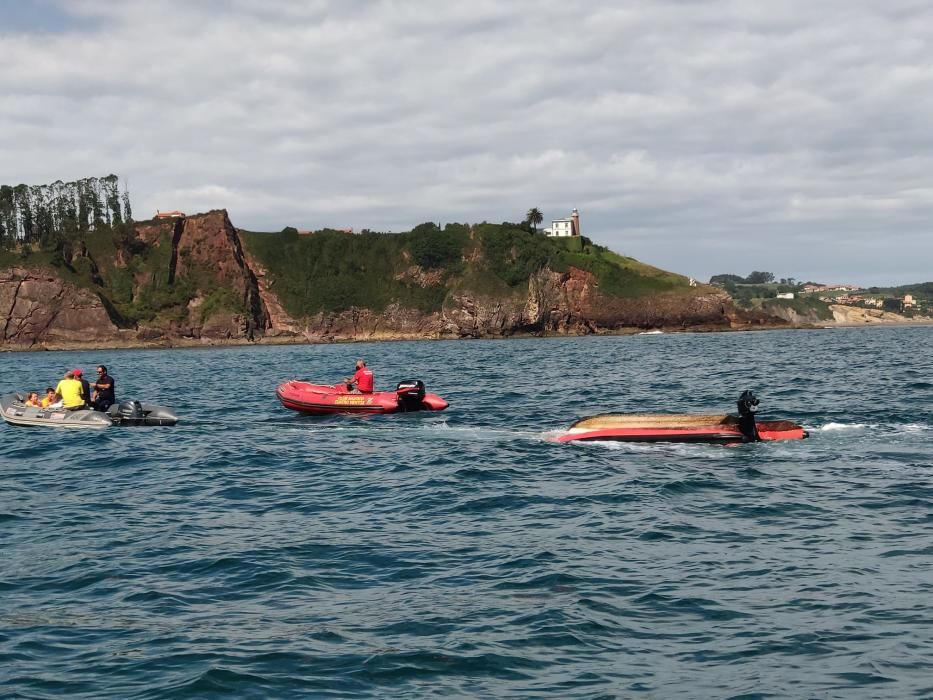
<point x="189" y="343"/>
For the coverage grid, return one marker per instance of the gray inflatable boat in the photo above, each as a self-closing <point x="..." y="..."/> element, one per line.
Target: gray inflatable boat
<point x="15" y="411"/>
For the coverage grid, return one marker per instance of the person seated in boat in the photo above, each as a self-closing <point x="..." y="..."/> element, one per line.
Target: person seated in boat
<point x="85" y="387"/>
<point x="69" y="392"/>
<point x="104" y="396"/>
<point x="32" y="399"/>
<point x="362" y="379"/>
<point x="49" y="397"/>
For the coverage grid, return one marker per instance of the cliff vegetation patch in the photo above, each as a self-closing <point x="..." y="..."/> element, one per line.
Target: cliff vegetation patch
<point x="332" y="271"/>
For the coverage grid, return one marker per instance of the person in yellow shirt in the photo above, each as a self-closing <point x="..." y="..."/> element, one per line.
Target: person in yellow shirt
<point x="69" y="390"/>
<point x="49" y="397"/>
<point x="32" y="399"/>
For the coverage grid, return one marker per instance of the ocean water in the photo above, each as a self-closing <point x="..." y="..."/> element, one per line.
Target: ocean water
<point x="251" y="552"/>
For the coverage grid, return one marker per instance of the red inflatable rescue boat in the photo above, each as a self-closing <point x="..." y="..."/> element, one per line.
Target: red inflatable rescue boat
<point x="321" y="399"/>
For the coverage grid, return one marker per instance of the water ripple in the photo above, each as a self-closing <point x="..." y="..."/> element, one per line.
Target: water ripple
<point x="251" y="552"/>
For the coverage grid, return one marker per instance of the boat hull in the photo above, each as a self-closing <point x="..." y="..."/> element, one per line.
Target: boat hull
<point x="663" y="428"/>
<point x="323" y="400"/>
<point x="15" y="412"/>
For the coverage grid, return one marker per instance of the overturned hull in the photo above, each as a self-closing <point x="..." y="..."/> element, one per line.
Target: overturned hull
<point x="16" y="412"/>
<point x="676" y="428"/>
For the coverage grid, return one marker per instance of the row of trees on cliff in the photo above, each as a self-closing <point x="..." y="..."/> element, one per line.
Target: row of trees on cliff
<point x="48" y="215"/>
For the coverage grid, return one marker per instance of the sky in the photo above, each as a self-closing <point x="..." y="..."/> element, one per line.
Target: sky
<point x="700" y="136"/>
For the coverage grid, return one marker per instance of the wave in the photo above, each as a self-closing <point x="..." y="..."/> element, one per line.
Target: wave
<point x="834" y="427"/>
<point x="881" y="427"/>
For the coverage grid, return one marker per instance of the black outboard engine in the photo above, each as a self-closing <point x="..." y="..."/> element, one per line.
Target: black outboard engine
<point x="748" y="406"/>
<point x="130" y="412"/>
<point x="410" y="393"/>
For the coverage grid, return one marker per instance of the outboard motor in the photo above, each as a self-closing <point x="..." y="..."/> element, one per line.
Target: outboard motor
<point x="410" y="394"/>
<point x="130" y="412"/>
<point x="748" y="406"/>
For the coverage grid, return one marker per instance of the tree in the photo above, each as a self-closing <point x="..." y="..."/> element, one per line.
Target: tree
<point x="427" y="227"/>
<point x="759" y="277"/>
<point x="726" y="279"/>
<point x="889" y="304"/>
<point x="534" y="217"/>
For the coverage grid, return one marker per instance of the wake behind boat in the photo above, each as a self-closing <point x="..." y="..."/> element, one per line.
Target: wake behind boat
<point x="685" y="428"/>
<point x="16" y="412"/>
<point x="324" y="399"/>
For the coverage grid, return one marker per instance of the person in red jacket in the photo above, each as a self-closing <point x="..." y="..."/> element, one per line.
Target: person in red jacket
<point x="362" y="378"/>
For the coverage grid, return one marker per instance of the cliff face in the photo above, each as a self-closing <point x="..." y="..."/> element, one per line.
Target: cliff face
<point x="856" y="316"/>
<point x="555" y="303"/>
<point x="37" y="306"/>
<point x="190" y="281"/>
<point x="210" y="242"/>
<point x="198" y="259"/>
<point x="205" y="252"/>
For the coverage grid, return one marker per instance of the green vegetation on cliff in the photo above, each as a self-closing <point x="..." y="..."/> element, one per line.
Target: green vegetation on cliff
<point x="171" y="273"/>
<point x="132" y="276"/>
<point x="334" y="271"/>
<point x="805" y="306"/>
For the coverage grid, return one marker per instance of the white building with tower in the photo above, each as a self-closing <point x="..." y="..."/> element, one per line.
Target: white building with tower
<point x="561" y="228"/>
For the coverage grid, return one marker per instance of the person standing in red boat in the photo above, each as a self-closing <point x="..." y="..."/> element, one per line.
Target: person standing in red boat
<point x="362" y="379"/>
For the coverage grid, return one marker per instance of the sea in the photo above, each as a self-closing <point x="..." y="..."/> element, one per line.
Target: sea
<point x="251" y="552"/>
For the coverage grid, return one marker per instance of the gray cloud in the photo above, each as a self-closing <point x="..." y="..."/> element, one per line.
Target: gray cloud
<point x="701" y="137"/>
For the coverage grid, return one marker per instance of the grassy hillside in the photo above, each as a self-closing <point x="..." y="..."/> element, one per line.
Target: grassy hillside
<point x="805" y="306"/>
<point x="333" y="271"/>
<point x="922" y="290"/>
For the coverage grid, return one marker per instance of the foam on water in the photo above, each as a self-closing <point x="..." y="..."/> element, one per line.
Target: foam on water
<point x="836" y="427"/>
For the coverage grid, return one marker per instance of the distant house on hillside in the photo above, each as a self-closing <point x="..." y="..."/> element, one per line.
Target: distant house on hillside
<point x="562" y="228"/>
<point x="169" y="214"/>
<point x="830" y="288"/>
<point x="784" y="295"/>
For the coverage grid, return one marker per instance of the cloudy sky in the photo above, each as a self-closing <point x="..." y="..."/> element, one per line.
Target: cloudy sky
<point x="699" y="136"/>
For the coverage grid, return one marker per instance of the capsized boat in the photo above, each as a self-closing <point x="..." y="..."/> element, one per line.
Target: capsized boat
<point x="16" y="412"/>
<point x="324" y="399"/>
<point x="685" y="428"/>
<point x="674" y="428"/>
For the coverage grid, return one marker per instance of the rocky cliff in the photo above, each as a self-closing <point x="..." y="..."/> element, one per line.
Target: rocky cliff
<point x="557" y="303"/>
<point x="191" y="280"/>
<point x="37" y="306"/>
<point x="858" y="316"/>
<point x="206" y="252"/>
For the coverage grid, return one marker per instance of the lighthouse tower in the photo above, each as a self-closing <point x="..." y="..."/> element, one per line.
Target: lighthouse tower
<point x="565" y="228"/>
